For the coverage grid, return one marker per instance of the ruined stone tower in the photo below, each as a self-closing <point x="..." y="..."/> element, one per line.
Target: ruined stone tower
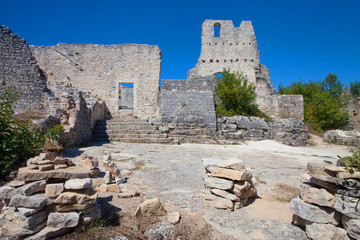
<point x="234" y="48"/>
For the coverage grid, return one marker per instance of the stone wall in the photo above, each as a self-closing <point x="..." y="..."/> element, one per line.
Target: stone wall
<point x="77" y="111"/>
<point x="188" y="105"/>
<point x="20" y="72"/>
<point x="354" y="114"/>
<point x="235" y="49"/>
<point x="98" y="69"/>
<point x="238" y="128"/>
<point x="282" y="106"/>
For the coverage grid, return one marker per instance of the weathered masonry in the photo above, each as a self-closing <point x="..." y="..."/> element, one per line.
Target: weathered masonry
<point x="105" y="72"/>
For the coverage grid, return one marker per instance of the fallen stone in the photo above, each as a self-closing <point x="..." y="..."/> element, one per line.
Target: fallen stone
<point x="247" y="194"/>
<point x="75" y="198"/>
<point x="218" y="183"/>
<point x="161" y="230"/>
<point x="128" y="193"/>
<point x="120" y="237"/>
<point x="51" y="155"/>
<point x="111" y="166"/>
<point x="46" y="167"/>
<point x="218" y="202"/>
<point x="14" y="231"/>
<point x="28" y="211"/>
<point x="63" y="220"/>
<point x="108" y="177"/>
<point x="232" y="163"/>
<point x="334" y="169"/>
<point x="318" y="196"/>
<point x="78" y="184"/>
<point x="314" y="213"/>
<point x="69" y="173"/>
<point x="173" y="217"/>
<point x="316" y="169"/>
<point x="90" y="163"/>
<point x="7" y="192"/>
<point x="15" y="184"/>
<point x="54" y="190"/>
<point x="72" y="207"/>
<point x="317" y="231"/>
<point x="59" y="161"/>
<point x="90" y="217"/>
<point x="329" y="186"/>
<point x="298" y="221"/>
<point x="348" y="206"/>
<point x="35" y="201"/>
<point x="29" y="222"/>
<point x="242" y="186"/>
<point x="352" y="226"/>
<point x="346" y="175"/>
<point x="150" y="207"/>
<point x="44" y="162"/>
<point x="32" y="167"/>
<point x="31" y="188"/>
<point x="102" y="188"/>
<point x="119" y="180"/>
<point x="61" y="166"/>
<point x="347" y="183"/>
<point x="95" y="172"/>
<point x="229" y="173"/>
<point x="225" y="194"/>
<point x="349" y="192"/>
<point x="49" y="233"/>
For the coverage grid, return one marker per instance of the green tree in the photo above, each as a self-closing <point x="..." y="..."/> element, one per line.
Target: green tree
<point x="355" y="88"/>
<point x="323" y="102"/>
<point x="235" y="95"/>
<point x="19" y="139"/>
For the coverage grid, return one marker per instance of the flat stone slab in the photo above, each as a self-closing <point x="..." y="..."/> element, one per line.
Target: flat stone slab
<point x="68" y="173"/>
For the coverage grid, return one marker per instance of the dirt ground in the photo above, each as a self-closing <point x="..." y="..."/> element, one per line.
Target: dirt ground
<point x="173" y="173"/>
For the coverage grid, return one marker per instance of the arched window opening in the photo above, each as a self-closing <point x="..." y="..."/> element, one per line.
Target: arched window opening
<point x="217" y="27"/>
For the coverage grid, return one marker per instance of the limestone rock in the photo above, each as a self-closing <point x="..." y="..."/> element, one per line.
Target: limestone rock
<point x="119" y="180"/>
<point x="229" y="173"/>
<point x="15" y="184"/>
<point x="78" y="184"/>
<point x="75" y="198"/>
<point x="46" y="167"/>
<point x="225" y="194"/>
<point x="111" y="166"/>
<point x="69" y="173"/>
<point x="32" y="167"/>
<point x="59" y="161"/>
<point x="329" y="186"/>
<point x="113" y="188"/>
<point x="63" y="220"/>
<point x="7" y="192"/>
<point x="54" y="190"/>
<point x="31" y="188"/>
<point x="161" y="230"/>
<point x="27" y="212"/>
<point x="352" y="226"/>
<point x="72" y="207"/>
<point x="232" y="163"/>
<point x="108" y="177"/>
<point x="242" y="186"/>
<point x="89" y="162"/>
<point x="218" y="183"/>
<point x="247" y="194"/>
<point x="128" y="193"/>
<point x="60" y="166"/>
<point x="14" y="231"/>
<point x="29" y="222"/>
<point x="317" y="231"/>
<point x="317" y="169"/>
<point x="348" y="175"/>
<point x="318" y="196"/>
<point x="43" y="162"/>
<point x="218" y="202"/>
<point x="49" y="233"/>
<point x="298" y="221"/>
<point x="150" y="207"/>
<point x="174" y="217"/>
<point x="35" y="201"/>
<point x="348" y="206"/>
<point x="314" y="213"/>
<point x="95" y="172"/>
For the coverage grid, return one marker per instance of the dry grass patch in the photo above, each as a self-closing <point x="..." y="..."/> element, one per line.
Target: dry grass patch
<point x="284" y="192"/>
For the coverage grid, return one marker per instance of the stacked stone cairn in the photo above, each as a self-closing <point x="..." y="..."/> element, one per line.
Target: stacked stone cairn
<point x="50" y="197"/>
<point x="328" y="205"/>
<point x="228" y="183"/>
<point x="112" y="177"/>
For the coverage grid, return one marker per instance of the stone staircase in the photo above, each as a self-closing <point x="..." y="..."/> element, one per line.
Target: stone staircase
<point x="128" y="129"/>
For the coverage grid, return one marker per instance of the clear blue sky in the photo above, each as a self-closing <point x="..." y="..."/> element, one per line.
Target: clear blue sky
<point x="297" y="39"/>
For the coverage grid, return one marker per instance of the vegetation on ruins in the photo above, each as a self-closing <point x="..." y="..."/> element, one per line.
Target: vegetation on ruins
<point x="324" y="102"/>
<point x="235" y="95"/>
<point x="351" y="163"/>
<point x="19" y="139"/>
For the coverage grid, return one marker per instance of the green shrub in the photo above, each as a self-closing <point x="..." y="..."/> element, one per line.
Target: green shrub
<point x="324" y="103"/>
<point x="54" y="132"/>
<point x="235" y="95"/>
<point x="352" y="163"/>
<point x="19" y="139"/>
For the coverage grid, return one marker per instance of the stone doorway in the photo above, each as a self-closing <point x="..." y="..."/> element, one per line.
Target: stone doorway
<point x="126" y="96"/>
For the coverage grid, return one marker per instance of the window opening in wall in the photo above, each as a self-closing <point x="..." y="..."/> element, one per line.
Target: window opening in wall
<point x="126" y="96"/>
<point x="211" y="60"/>
<point x="250" y="43"/>
<point x="237" y="60"/>
<point x="217" y="27"/>
<point x="224" y="60"/>
<point x="252" y="60"/>
<point x="243" y="43"/>
<point x="231" y="60"/>
<point x="217" y="61"/>
<point x="203" y="61"/>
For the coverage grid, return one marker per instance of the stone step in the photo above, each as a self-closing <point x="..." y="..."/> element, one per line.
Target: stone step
<point x="134" y="140"/>
<point x="126" y="131"/>
<point x="132" y="135"/>
<point x="125" y="127"/>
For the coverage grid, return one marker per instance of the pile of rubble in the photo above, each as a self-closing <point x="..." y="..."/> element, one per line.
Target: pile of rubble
<point x="328" y="203"/>
<point x="50" y="197"/>
<point x="228" y="183"/>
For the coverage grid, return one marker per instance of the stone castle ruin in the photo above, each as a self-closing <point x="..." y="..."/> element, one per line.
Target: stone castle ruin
<point x="83" y="83"/>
